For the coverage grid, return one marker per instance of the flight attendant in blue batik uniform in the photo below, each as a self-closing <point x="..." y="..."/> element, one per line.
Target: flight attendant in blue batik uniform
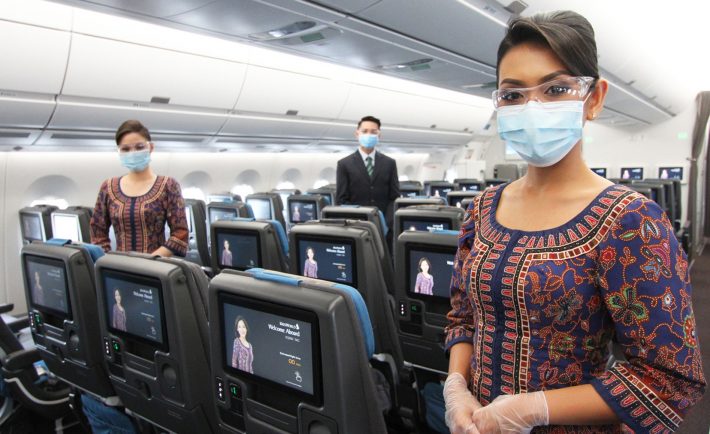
<point x="554" y="266"/>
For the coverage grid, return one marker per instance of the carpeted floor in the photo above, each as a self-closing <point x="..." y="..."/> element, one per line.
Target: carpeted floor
<point x="698" y="420"/>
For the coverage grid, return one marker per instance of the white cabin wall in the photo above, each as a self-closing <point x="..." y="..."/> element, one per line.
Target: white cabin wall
<point x="76" y="177"/>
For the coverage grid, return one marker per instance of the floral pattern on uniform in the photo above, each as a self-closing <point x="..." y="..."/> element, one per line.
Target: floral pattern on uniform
<point x="139" y="221"/>
<point x="541" y="309"/>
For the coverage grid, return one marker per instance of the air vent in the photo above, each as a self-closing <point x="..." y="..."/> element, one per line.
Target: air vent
<point x="291" y="112"/>
<point x="178" y="139"/>
<point x="490" y="85"/>
<point x="8" y="135"/>
<point x="160" y="100"/>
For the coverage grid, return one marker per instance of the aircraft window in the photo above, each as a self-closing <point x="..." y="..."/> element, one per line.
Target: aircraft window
<point x="59" y="203"/>
<point x="320" y="183"/>
<point x="403" y="178"/>
<point x="193" y="193"/>
<point x="243" y="190"/>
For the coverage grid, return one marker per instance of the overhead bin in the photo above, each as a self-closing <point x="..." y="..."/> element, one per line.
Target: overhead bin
<point x="139" y="73"/>
<point x="34" y="58"/>
<point x="274" y="91"/>
<point x="465" y="28"/>
<point x="107" y="115"/>
<point x="11" y="137"/>
<point x="50" y="15"/>
<point x="271" y="126"/>
<point x="25" y="110"/>
<point x="397" y="108"/>
<point x="153" y="8"/>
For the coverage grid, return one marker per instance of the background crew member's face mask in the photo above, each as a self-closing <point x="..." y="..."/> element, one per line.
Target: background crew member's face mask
<point x="135" y="161"/>
<point x="542" y="133"/>
<point x="368" y="141"/>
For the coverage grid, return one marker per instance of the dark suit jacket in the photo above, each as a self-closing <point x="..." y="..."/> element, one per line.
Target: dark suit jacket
<point x="355" y="187"/>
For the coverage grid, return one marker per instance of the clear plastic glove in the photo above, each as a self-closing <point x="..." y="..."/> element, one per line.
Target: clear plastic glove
<point x="460" y="405"/>
<point x="510" y="414"/>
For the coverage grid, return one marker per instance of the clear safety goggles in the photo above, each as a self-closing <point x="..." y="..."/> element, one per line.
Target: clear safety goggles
<point x="559" y="89"/>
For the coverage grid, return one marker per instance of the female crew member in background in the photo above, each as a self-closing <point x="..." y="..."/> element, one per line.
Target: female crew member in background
<point x="551" y="266"/>
<point x="139" y="203"/>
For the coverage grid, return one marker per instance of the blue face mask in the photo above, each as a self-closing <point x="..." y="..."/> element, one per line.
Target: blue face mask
<point x="368" y="141"/>
<point x="135" y="161"/>
<point x="542" y="133"/>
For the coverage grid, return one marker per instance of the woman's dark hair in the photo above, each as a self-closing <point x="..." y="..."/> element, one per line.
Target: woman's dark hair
<point x="569" y="35"/>
<point x="236" y="323"/>
<point x="131" y="126"/>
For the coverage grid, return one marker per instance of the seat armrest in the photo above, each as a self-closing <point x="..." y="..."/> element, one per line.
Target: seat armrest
<point x="7" y="307"/>
<point x="20" y="360"/>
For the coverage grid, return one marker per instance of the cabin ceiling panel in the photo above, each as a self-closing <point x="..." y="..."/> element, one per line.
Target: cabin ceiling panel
<point x="75" y="140"/>
<point x="34" y="58"/>
<point x="35" y="12"/>
<point x="20" y="110"/>
<point x="449" y="24"/>
<point x="153" y="8"/>
<point x="349" y="6"/>
<point x="141" y="73"/>
<point x="278" y="92"/>
<point x="244" y="125"/>
<point x="87" y="114"/>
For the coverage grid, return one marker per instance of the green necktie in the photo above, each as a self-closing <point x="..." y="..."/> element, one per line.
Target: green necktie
<point x="370" y="168"/>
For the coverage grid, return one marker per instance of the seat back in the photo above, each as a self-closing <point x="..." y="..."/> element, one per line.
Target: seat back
<point x="440" y="188"/>
<point x="72" y="223"/>
<point x="356" y="212"/>
<point x="496" y="181"/>
<point x="304" y="207"/>
<point x="469" y="184"/>
<point x="658" y="192"/>
<point x="153" y="322"/>
<point x="36" y="223"/>
<point x="456" y="198"/>
<point x="427" y="218"/>
<point x="279" y="376"/>
<point x="267" y="206"/>
<point x="351" y="253"/>
<point x="410" y="188"/>
<point x="61" y="300"/>
<point x="327" y="192"/>
<point x="424" y="263"/>
<point x="198" y="241"/>
<point x="404" y="202"/>
<point x="247" y="243"/>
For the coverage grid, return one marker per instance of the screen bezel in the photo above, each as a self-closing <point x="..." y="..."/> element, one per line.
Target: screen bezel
<point x="221" y="209"/>
<point x="301" y="202"/>
<point x="262" y="199"/>
<point x="682" y="172"/>
<point x="353" y="255"/>
<point x="630" y="168"/>
<point x="279" y="310"/>
<point x="237" y="232"/>
<point x="52" y="262"/>
<point x="467" y="186"/>
<point x="38" y="216"/>
<point x="435" y="304"/>
<point x="427" y="219"/>
<point x="151" y="281"/>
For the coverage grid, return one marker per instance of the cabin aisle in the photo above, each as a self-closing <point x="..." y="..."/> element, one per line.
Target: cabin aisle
<point x="698" y="421"/>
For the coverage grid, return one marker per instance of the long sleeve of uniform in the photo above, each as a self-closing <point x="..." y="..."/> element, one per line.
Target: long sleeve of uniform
<point x="177" y="221"/>
<point x="342" y="195"/>
<point x="461" y="317"/>
<point x="643" y="276"/>
<point x="101" y="220"/>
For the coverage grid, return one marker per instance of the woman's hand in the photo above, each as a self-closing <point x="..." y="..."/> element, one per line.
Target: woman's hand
<point x="510" y="414"/>
<point x="460" y="405"/>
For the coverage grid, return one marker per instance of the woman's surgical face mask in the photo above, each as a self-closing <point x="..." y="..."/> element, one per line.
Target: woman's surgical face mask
<point x="135" y="157"/>
<point x="542" y="133"/>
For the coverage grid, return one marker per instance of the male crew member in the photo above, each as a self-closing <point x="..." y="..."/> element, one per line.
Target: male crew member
<point x="367" y="177"/>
